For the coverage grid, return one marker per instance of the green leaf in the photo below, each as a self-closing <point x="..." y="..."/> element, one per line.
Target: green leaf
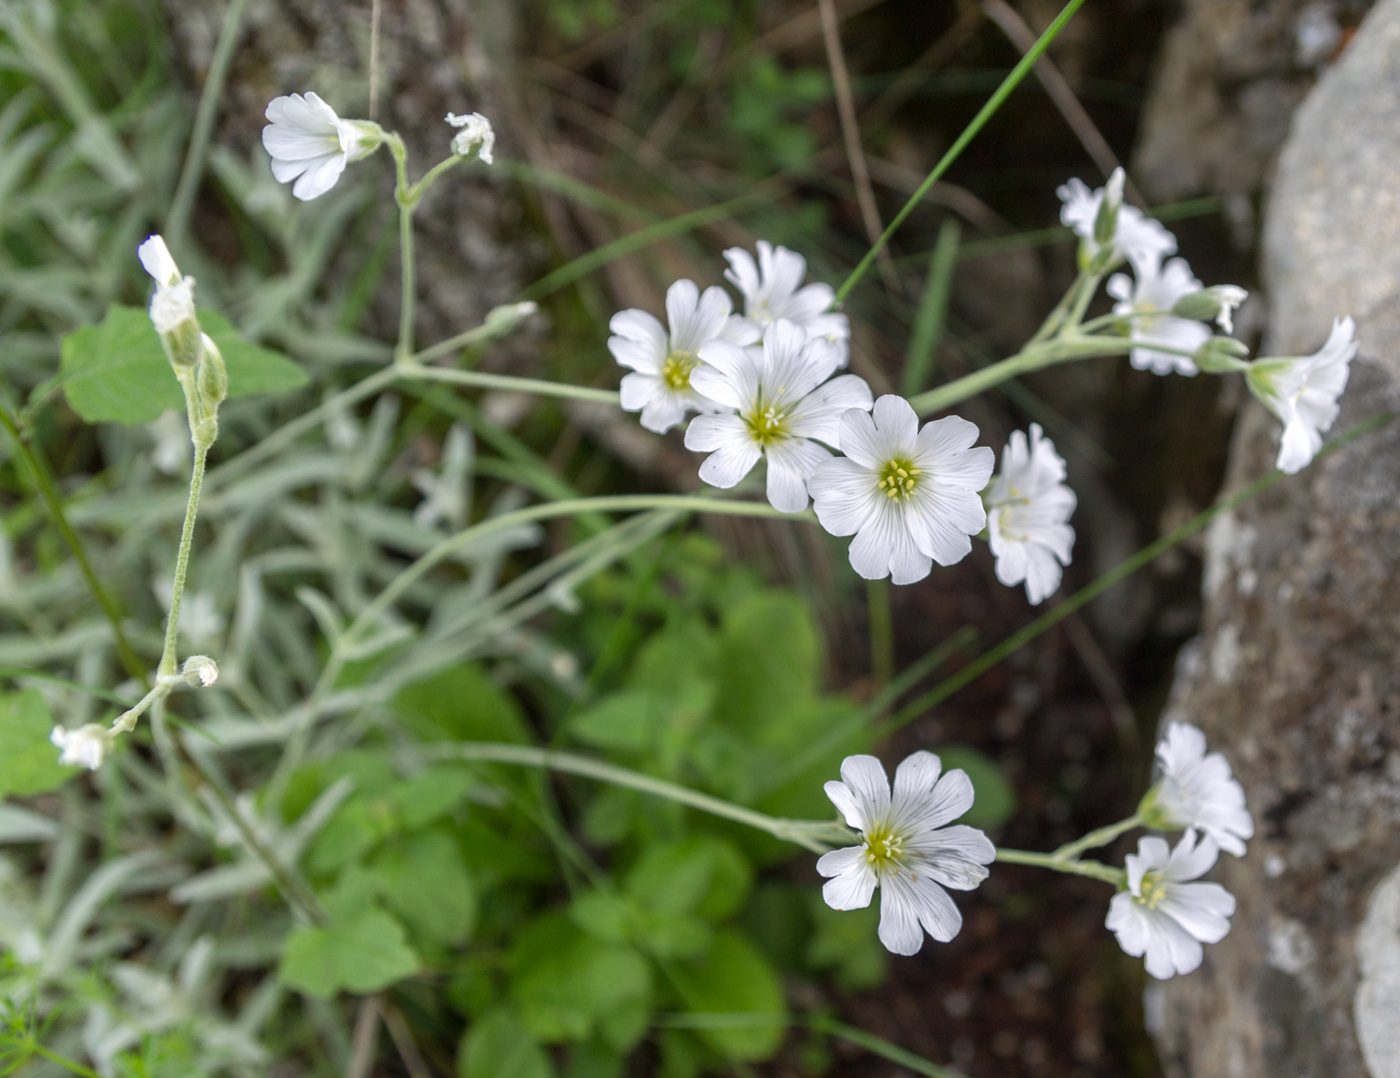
<point x="769" y="659"/>
<point x="498" y="1046"/>
<point x="701" y="874"/>
<point x="431" y="794"/>
<point x="117" y="370"/>
<point x="361" y="953"/>
<point x="567" y="984"/>
<point x="995" y="797"/>
<point x="735" y="981"/>
<point x="423" y="880"/>
<point x="845" y="943"/>
<point x="28" y="759"/>
<point x="461" y="703"/>
<point x="627" y="721"/>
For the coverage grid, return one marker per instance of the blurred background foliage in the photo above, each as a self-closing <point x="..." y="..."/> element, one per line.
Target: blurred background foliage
<point x="491" y="922"/>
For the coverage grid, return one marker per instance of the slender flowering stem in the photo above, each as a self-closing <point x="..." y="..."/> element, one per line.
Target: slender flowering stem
<point x="1093" y="869"/>
<point x="815" y="835"/>
<point x="182" y="563"/>
<point x="1100" y="837"/>
<point x="403" y="195"/>
<point x="417" y="191"/>
<point x="569" y="507"/>
<point x="412" y="369"/>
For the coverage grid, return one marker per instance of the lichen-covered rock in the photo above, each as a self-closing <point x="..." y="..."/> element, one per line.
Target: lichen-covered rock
<point x="1297" y="673"/>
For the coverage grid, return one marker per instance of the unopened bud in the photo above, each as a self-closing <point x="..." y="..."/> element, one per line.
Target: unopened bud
<point x="1221" y="355"/>
<point x="502" y="320"/>
<point x="1216" y="303"/>
<point x="476" y="137"/>
<point x="1106" y="223"/>
<point x="200" y="671"/>
<point x="213" y="376"/>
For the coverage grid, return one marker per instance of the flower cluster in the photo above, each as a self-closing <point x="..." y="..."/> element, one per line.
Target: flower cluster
<point x="765" y="385"/>
<point x="1164" y="310"/>
<point x="1164" y="914"/>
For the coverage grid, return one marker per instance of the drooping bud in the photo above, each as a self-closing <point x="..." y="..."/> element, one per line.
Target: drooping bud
<point x="1220" y="355"/>
<point x="172" y="306"/>
<point x="213" y="376"/>
<point x="200" y="671"/>
<point x="1216" y="303"/>
<point x="476" y="137"/>
<point x="87" y="746"/>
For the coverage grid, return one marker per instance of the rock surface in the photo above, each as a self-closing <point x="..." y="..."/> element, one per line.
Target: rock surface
<point x="1297" y="674"/>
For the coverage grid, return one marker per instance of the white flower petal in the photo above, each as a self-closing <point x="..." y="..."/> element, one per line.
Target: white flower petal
<point x="918" y="899"/>
<point x="790" y="464"/>
<point x="955" y="856"/>
<point x="844" y="495"/>
<point x="853" y="880"/>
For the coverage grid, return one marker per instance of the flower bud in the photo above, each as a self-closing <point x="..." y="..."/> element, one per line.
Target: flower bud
<point x="1216" y="303"/>
<point x="1106" y="223"/>
<point x="475" y="139"/>
<point x="213" y="376"/>
<point x="1221" y="355"/>
<point x="86" y="746"/>
<point x="200" y="671"/>
<point x="502" y="320"/>
<point x="369" y="135"/>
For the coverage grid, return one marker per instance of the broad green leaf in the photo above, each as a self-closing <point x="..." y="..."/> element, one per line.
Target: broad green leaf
<point x="627" y="721"/>
<point x="498" y="1046"/>
<point x="430" y="794"/>
<point x="117" y="370"/>
<point x="701" y="874"/>
<point x="844" y="943"/>
<point x="769" y="657"/>
<point x="567" y="984"/>
<point x="423" y="880"/>
<point x="461" y="703"/>
<point x="995" y="797"/>
<point x="28" y="759"/>
<point x="360" y="953"/>
<point x="737" y="990"/>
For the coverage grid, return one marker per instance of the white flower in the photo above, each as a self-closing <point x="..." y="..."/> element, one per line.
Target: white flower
<point x="309" y="143"/>
<point x="662" y="362"/>
<point x="1164" y="916"/>
<point x="87" y="746"/>
<point x="907" y="851"/>
<point x="779" y="405"/>
<point x="1028" y="506"/>
<point x="909" y="496"/>
<point x="1138" y="238"/>
<point x="447" y="492"/>
<point x="1303" y="390"/>
<point x="772" y="289"/>
<point x="476" y="136"/>
<point x="1147" y="304"/>
<point x="173" y="302"/>
<point x="171" y="432"/>
<point x="1197" y="790"/>
<point x="1228" y="296"/>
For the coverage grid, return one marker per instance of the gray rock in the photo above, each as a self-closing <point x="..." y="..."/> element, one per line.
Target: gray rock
<point x="1297" y="673"/>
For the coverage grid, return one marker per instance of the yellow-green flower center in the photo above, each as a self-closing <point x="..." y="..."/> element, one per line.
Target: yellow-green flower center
<point x="1152" y="890"/>
<point x="899" y="479"/>
<point x="767" y="424"/>
<point x="884" y="848"/>
<point x="675" y="372"/>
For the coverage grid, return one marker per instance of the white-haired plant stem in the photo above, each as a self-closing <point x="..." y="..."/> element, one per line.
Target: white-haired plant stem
<point x="1099" y="837"/>
<point x="819" y="836"/>
<point x="1095" y="870"/>
<point x="404" y="349"/>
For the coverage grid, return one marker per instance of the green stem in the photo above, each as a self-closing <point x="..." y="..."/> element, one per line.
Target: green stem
<point x="182" y="561"/>
<point x="48" y="494"/>
<point x="815" y="835"/>
<point x="403" y="195"/>
<point x="178" y="218"/>
<point x="1100" y="837"/>
<point x="61" y="1061"/>
<point x="416" y="192"/>
<point x="410" y="368"/>
<point x="877" y="605"/>
<point x="1055" y="319"/>
<point x="1032" y="358"/>
<point x="1019" y="72"/>
<point x="1088" y="287"/>
<point x="1093" y="869"/>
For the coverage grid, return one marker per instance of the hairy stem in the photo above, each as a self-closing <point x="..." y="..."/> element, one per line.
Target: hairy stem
<point x="1093" y="869"/>
<point x="1099" y="837"/>
<point x="815" y="835"/>
<point x="404" y="196"/>
<point x="182" y="561"/>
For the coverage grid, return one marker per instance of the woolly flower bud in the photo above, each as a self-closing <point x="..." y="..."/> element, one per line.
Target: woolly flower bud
<point x="172" y="306"/>
<point x="1221" y="355"/>
<point x="86" y="746"/>
<point x="200" y="671"/>
<point x="213" y="376"/>
<point x="1106" y="222"/>
<point x="475" y="137"/>
<point x="1216" y="303"/>
<point x="502" y="320"/>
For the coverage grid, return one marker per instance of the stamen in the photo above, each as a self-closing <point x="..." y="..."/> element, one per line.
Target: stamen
<point x="675" y="372"/>
<point x="899" y="479"/>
